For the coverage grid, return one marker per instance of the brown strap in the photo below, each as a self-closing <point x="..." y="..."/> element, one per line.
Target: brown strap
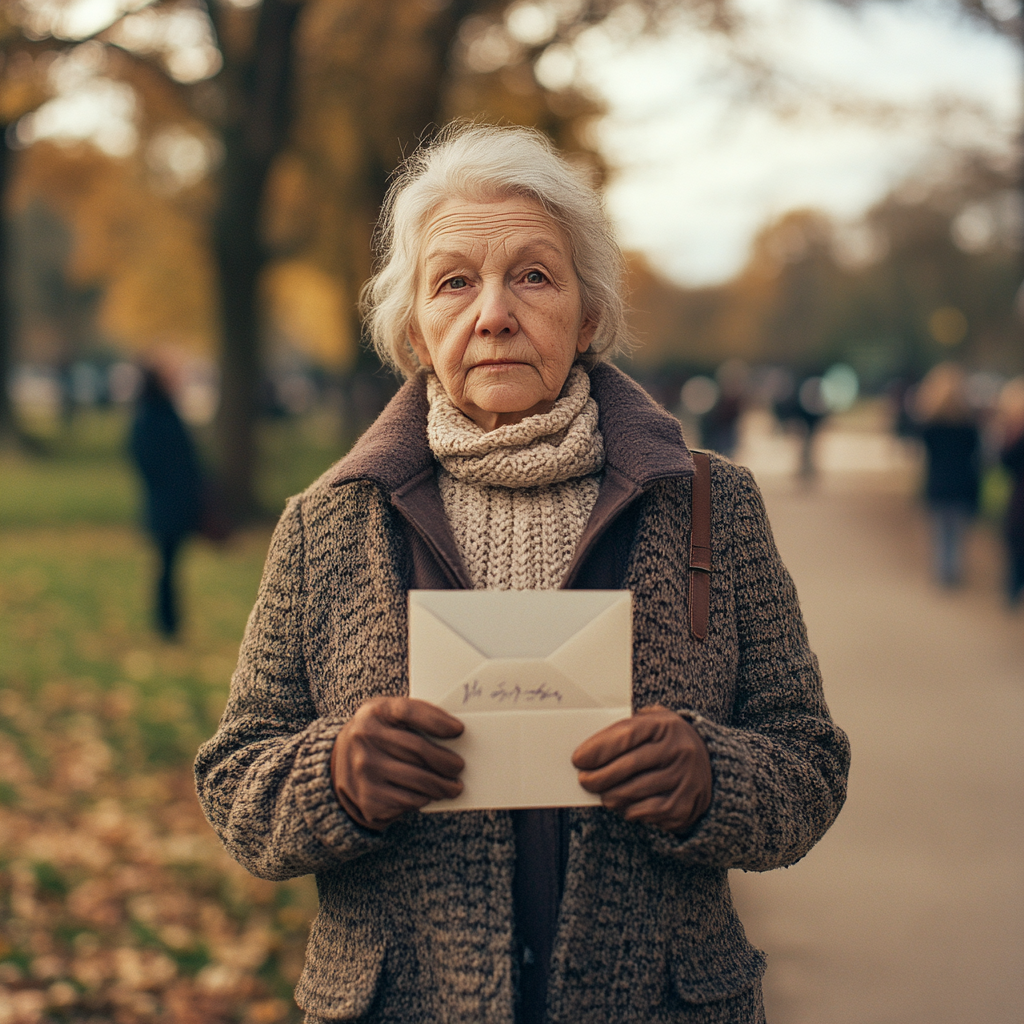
<point x="700" y="545"/>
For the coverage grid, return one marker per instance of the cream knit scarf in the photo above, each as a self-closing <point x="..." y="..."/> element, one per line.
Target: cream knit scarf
<point x="518" y="497"/>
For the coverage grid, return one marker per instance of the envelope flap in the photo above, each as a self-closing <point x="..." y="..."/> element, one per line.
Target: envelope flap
<point x="437" y="655"/>
<point x="600" y="655"/>
<point x="516" y="623"/>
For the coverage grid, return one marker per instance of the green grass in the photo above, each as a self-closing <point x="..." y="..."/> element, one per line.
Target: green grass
<point x="82" y="474"/>
<point x="996" y="489"/>
<point x="54" y="493"/>
<point x="116" y="899"/>
<point x="75" y="613"/>
<point x="79" y="475"/>
<point x="295" y="453"/>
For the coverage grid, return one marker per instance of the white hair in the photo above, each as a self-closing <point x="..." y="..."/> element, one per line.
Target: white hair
<point x="480" y="163"/>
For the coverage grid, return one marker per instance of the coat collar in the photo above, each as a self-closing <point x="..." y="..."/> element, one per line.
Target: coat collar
<point x="642" y="442"/>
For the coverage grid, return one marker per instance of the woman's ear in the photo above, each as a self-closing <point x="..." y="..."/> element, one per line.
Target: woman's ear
<point x="587" y="331"/>
<point x="419" y="346"/>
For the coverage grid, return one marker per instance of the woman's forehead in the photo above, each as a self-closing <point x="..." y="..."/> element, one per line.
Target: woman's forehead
<point x="466" y="226"/>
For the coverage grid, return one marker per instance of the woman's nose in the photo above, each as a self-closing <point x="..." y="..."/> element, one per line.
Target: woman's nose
<point x="496" y="317"/>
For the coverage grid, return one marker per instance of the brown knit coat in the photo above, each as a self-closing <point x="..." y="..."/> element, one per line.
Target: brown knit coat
<point x="415" y="924"/>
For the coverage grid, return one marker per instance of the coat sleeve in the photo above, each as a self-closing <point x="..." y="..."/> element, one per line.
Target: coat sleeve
<point x="780" y="765"/>
<point x="264" y="778"/>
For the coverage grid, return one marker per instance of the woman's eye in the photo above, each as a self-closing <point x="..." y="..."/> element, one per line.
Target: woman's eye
<point x="535" y="277"/>
<point x="455" y="283"/>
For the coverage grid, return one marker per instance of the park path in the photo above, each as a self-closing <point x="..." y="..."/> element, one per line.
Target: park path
<point x="911" y="909"/>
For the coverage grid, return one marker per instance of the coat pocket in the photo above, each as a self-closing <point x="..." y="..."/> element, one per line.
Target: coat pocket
<point x="717" y="970"/>
<point x="344" y="959"/>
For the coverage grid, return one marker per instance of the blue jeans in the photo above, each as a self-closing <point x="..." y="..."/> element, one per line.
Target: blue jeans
<point x="949" y="527"/>
<point x="1015" y="583"/>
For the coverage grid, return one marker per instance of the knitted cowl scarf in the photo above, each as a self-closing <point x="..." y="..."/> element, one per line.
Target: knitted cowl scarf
<point x="518" y="497"/>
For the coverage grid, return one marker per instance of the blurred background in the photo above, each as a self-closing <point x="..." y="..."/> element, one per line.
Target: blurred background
<point x="821" y="204"/>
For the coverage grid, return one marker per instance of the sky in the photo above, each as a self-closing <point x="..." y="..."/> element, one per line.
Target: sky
<point x="699" y="165"/>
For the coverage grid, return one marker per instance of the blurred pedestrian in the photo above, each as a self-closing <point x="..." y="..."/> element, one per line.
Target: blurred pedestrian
<point x="952" y="445"/>
<point x="804" y="409"/>
<point x="1011" y="408"/>
<point x="720" y="427"/>
<point x="166" y="458"/>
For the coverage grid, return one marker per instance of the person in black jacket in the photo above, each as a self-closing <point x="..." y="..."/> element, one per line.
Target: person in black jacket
<point x="166" y="458"/>
<point x="1012" y="456"/>
<point x="953" y="448"/>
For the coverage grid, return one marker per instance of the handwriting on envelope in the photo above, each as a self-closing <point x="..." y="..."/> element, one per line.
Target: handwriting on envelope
<point x="531" y="674"/>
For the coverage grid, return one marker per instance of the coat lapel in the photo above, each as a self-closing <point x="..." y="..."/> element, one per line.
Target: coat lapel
<point x="643" y="444"/>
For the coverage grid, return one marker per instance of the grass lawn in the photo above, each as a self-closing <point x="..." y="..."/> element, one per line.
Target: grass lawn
<point x="117" y="902"/>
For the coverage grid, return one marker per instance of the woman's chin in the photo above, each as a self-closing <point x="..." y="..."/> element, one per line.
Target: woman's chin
<point x="500" y="414"/>
<point x="507" y="401"/>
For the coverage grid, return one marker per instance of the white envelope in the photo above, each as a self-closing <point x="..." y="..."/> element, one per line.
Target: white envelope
<point x="531" y="674"/>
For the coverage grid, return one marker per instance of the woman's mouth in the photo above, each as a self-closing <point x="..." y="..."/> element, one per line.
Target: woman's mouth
<point x="496" y="364"/>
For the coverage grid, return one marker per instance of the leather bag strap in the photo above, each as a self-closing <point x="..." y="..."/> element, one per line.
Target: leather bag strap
<point x="700" y="546"/>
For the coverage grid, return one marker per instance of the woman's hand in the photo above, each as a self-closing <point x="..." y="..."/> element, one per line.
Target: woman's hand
<point x="652" y="768"/>
<point x="382" y="767"/>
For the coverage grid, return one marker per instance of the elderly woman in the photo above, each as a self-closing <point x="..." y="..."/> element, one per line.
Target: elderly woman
<point x="515" y="457"/>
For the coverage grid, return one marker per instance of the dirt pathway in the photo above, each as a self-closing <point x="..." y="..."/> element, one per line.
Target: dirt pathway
<point x="911" y="910"/>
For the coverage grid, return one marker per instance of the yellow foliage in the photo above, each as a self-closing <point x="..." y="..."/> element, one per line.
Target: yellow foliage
<point x="149" y="255"/>
<point x="370" y="78"/>
<point x="948" y="326"/>
<point x="309" y="308"/>
<point x="289" y="205"/>
<point x="18" y="96"/>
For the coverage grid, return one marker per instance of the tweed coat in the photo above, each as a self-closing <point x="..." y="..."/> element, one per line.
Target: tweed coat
<point x="415" y="923"/>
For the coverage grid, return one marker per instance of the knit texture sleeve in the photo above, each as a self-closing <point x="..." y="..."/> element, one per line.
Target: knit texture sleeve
<point x="264" y="778"/>
<point x="780" y="765"/>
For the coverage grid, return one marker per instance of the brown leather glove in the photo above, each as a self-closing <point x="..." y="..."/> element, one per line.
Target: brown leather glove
<point x="382" y="767"/>
<point x="652" y="768"/>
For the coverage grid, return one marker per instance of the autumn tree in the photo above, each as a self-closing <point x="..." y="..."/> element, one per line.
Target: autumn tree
<point x="928" y="273"/>
<point x="20" y="93"/>
<point x="341" y="89"/>
<point x="311" y="106"/>
<point x="56" y="52"/>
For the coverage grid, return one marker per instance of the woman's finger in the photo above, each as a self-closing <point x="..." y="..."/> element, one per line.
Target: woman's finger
<point x="640" y="759"/>
<point x="642" y="786"/>
<point x="663" y="810"/>
<point x="366" y="765"/>
<point x="671" y="812"/>
<point x="402" y="745"/>
<point x="383" y="804"/>
<point x="379" y="801"/>
<point x="613" y="741"/>
<point x="420" y="782"/>
<point x="419" y="716"/>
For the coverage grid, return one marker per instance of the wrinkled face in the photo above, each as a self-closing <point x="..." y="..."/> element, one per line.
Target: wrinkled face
<point x="498" y="312"/>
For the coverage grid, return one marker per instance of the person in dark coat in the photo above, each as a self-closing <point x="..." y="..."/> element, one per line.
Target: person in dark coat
<point x="720" y="426"/>
<point x="1012" y="457"/>
<point x="166" y="458"/>
<point x="952" y="445"/>
<point x="804" y="409"/>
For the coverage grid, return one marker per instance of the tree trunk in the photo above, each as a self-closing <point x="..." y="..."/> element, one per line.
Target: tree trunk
<point x="239" y="259"/>
<point x="8" y="427"/>
<point x="258" y="131"/>
<point x="387" y="131"/>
